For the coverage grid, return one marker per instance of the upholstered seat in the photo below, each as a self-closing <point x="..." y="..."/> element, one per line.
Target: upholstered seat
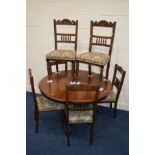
<point x="110" y="97"/>
<point x="61" y="54"/>
<point x="97" y="58"/>
<point x="80" y="116"/>
<point x="45" y="104"/>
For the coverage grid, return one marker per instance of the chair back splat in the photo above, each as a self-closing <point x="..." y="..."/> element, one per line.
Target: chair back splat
<point x="102" y="40"/>
<point x="65" y="37"/>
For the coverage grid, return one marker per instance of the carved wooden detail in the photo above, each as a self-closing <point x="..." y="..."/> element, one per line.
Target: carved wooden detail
<point x="65" y="22"/>
<point x="66" y="37"/>
<point x="103" y="23"/>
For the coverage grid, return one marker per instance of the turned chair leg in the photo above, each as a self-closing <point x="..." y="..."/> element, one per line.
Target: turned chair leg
<point x="62" y="117"/>
<point x="37" y="121"/>
<point x="35" y="114"/>
<point x="73" y="71"/>
<point x="49" y="70"/>
<point x="77" y="71"/>
<point x="91" y="133"/>
<point x="68" y="135"/>
<point x="115" y="110"/>
<point x="57" y="68"/>
<point x="101" y="75"/>
<point x="89" y="69"/>
<point x="110" y="105"/>
<point x="66" y="68"/>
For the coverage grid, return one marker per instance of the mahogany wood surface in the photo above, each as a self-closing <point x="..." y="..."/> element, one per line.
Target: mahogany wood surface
<point x="56" y="90"/>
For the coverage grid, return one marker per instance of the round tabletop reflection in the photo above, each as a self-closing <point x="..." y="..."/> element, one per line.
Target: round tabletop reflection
<point x="56" y="89"/>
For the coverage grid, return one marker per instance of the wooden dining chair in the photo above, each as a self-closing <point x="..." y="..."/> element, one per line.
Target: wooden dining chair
<point x="78" y="110"/>
<point x="42" y="104"/>
<point x="100" y="47"/>
<point x="117" y="83"/>
<point x="62" y="55"/>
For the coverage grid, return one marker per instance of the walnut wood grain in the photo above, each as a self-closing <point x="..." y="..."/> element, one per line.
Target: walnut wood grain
<point x="56" y="90"/>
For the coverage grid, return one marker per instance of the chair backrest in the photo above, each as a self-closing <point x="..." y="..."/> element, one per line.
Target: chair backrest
<point x="32" y="87"/>
<point x="118" y="79"/>
<point x="75" y="95"/>
<point x="61" y="37"/>
<point x="102" y="39"/>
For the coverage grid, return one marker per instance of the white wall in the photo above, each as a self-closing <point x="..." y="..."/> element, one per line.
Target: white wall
<point x="40" y="39"/>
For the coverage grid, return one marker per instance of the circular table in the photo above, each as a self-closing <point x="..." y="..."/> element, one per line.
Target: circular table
<point x="56" y="90"/>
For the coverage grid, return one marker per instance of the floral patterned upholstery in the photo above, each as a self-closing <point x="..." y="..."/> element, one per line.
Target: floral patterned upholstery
<point x="110" y="97"/>
<point x="45" y="104"/>
<point x="93" y="57"/>
<point x="61" y="55"/>
<point x="81" y="116"/>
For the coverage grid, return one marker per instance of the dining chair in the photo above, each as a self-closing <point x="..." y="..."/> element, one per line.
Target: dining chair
<point x="42" y="104"/>
<point x="100" y="47"/>
<point x="117" y="83"/>
<point x="61" y="55"/>
<point x="78" y="110"/>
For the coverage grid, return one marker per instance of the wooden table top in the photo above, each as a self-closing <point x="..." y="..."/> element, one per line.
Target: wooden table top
<point x="56" y="90"/>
